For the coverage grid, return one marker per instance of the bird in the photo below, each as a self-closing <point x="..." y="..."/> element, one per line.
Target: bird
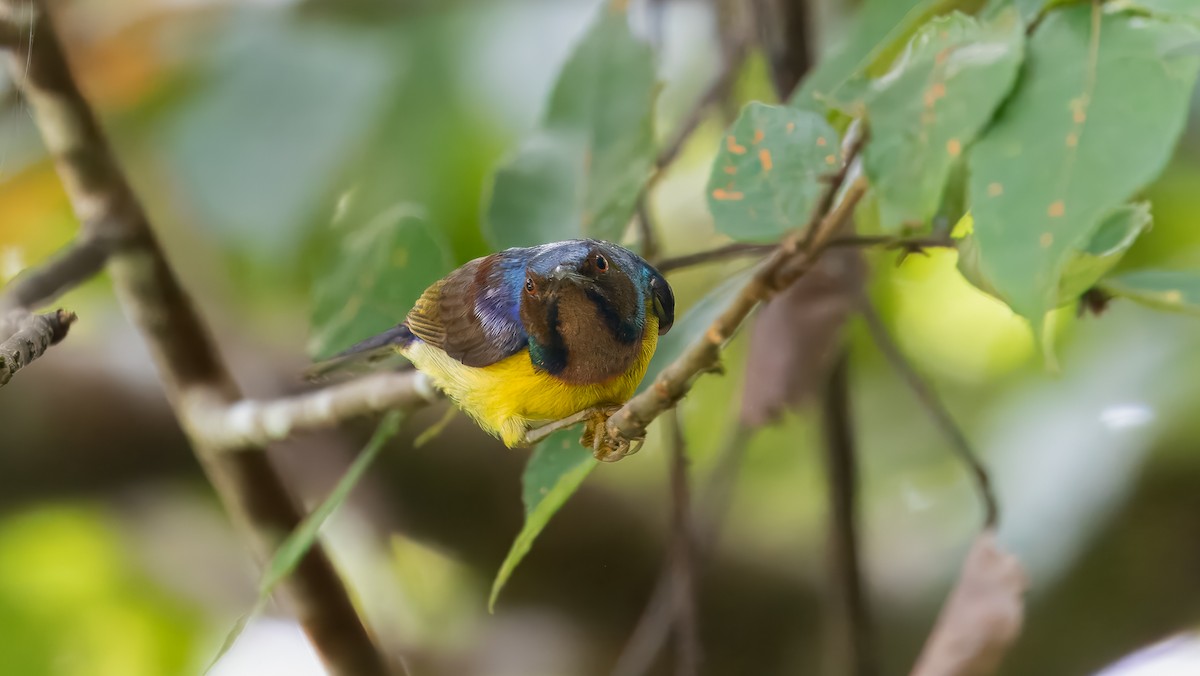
<point x="533" y="335"/>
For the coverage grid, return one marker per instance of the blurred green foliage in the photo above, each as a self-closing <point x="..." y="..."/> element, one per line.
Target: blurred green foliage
<point x="73" y="602"/>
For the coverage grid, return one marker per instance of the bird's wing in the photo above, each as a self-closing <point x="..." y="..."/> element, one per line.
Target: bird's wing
<point x="471" y="315"/>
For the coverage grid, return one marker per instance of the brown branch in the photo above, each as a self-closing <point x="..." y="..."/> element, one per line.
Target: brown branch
<point x="850" y="614"/>
<point x="647" y="232"/>
<point x="74" y="265"/>
<point x="248" y="485"/>
<point x="255" y="423"/>
<point x="654" y="625"/>
<point x="937" y="412"/>
<point x="31" y="336"/>
<point x="721" y="253"/>
<point x="683" y="543"/>
<point x="794" y="256"/>
<point x="716" y="92"/>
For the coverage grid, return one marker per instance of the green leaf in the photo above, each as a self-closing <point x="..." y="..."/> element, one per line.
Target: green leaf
<point x="534" y="193"/>
<point x="766" y="178"/>
<point x="1170" y="290"/>
<point x="555" y="470"/>
<point x="1117" y="233"/>
<point x="373" y="274"/>
<point x="580" y="174"/>
<point x="1085" y="266"/>
<point x="296" y="545"/>
<point x="938" y="96"/>
<point x="1094" y="119"/>
<point x="876" y="36"/>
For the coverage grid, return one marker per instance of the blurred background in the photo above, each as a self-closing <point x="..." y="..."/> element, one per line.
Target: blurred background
<point x="245" y="124"/>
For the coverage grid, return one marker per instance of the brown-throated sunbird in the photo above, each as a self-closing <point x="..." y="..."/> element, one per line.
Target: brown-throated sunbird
<point x="537" y="334"/>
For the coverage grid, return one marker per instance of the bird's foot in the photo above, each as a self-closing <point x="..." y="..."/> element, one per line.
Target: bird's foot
<point x="606" y="448"/>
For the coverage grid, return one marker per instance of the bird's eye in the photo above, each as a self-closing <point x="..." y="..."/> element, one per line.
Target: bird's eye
<point x="601" y="263"/>
<point x="530" y="287"/>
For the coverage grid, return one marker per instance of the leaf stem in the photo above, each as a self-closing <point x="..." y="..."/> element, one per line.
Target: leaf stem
<point x="937" y="413"/>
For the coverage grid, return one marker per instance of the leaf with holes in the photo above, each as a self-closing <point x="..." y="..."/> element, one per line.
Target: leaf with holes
<point x="1094" y="119"/>
<point x="372" y="275"/>
<point x="1170" y="290"/>
<point x="766" y="179"/>
<point x="925" y="112"/>
<point x="554" y="472"/>
<point x="580" y="173"/>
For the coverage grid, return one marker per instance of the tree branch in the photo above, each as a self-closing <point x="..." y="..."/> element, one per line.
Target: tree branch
<point x="31" y="336"/>
<point x="255" y="423"/>
<point x="77" y="263"/>
<point x="187" y="359"/>
<point x="852" y="621"/>
<point x="683" y="549"/>
<point x="717" y="90"/>
<point x="937" y="412"/>
<point x="654" y="625"/>
<point x="790" y="260"/>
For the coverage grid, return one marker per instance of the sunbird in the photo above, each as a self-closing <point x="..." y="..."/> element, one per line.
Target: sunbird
<point x="536" y="334"/>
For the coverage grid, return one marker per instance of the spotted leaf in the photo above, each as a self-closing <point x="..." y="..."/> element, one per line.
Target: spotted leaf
<point x="1079" y="137"/>
<point x="766" y="178"/>
<point x="925" y="112"/>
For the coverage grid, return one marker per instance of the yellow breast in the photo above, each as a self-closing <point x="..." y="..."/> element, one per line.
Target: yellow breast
<point x="507" y="397"/>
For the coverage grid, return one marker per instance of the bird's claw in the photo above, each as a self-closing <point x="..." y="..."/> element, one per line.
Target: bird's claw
<point x="606" y="448"/>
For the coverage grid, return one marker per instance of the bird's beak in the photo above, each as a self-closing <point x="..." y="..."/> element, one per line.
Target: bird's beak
<point x="566" y="273"/>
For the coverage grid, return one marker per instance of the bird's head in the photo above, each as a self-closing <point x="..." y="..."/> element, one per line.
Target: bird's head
<point x="593" y="278"/>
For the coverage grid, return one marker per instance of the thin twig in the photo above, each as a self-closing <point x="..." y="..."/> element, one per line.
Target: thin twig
<point x="937" y="412"/>
<point x="31" y="336"/>
<point x="851" y="614"/>
<point x="187" y="359"/>
<point x="77" y="263"/>
<point x="716" y="91"/>
<point x="256" y="423"/>
<point x="647" y="232"/>
<point x="653" y="627"/>
<point x="687" y="641"/>
<point x="742" y="249"/>
<point x="721" y="253"/>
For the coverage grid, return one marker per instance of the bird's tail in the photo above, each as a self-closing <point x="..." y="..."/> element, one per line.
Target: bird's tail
<point x="364" y="353"/>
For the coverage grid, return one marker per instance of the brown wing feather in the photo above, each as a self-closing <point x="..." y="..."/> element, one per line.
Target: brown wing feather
<point x="446" y="317"/>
